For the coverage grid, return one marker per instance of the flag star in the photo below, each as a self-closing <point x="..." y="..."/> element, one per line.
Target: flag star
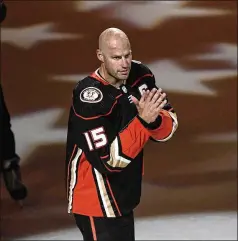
<point x="171" y="77"/>
<point x="222" y="51"/>
<point x="149" y="14"/>
<point x="29" y="36"/>
<point x="39" y="131"/>
<point x="218" y="137"/>
<point x="70" y="77"/>
<point x="91" y="5"/>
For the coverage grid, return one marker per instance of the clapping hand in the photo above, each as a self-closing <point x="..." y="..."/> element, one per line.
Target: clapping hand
<point x="150" y="104"/>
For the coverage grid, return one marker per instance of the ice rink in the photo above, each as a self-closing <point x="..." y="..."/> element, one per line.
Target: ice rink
<point x="203" y="226"/>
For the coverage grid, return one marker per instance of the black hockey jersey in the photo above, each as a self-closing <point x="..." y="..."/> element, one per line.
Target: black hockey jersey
<point x="105" y="143"/>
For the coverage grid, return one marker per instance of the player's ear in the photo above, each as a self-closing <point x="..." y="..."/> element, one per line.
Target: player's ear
<point x="100" y="55"/>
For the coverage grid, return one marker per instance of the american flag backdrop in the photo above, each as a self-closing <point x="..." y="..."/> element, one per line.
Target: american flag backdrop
<point x="191" y="47"/>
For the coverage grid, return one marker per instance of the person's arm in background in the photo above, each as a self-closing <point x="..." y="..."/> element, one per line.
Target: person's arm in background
<point x="3" y="11"/>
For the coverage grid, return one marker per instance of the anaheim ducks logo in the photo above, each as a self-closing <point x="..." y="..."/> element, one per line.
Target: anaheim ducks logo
<point x="91" y="95"/>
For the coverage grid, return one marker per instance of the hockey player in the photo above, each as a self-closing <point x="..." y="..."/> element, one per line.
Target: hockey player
<point x="114" y="112"/>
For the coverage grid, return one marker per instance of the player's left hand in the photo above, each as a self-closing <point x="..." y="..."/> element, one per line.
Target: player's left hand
<point x="154" y="95"/>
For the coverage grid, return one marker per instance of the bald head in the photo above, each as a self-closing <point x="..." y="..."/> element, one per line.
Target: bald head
<point x="115" y="55"/>
<point x="109" y="37"/>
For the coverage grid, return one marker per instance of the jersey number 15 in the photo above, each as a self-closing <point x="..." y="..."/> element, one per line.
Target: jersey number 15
<point x="96" y="138"/>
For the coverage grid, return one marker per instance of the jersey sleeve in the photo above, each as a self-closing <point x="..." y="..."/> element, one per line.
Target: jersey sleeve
<point x="167" y="123"/>
<point x="107" y="150"/>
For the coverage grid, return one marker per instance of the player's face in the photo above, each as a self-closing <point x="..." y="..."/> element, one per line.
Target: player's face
<point x="117" y="59"/>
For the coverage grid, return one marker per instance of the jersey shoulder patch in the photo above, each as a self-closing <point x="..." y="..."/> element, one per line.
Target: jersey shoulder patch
<point x="92" y="99"/>
<point x="91" y="95"/>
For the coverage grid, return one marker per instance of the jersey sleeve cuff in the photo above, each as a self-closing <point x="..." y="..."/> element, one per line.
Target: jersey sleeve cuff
<point x="153" y="125"/>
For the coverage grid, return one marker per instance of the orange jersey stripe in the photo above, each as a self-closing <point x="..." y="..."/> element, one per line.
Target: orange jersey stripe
<point x="93" y="228"/>
<point x="86" y="200"/>
<point x="138" y="80"/>
<point x="94" y="117"/>
<point x="113" y="196"/>
<point x="131" y="143"/>
<point x="165" y="128"/>
<point x="97" y="77"/>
